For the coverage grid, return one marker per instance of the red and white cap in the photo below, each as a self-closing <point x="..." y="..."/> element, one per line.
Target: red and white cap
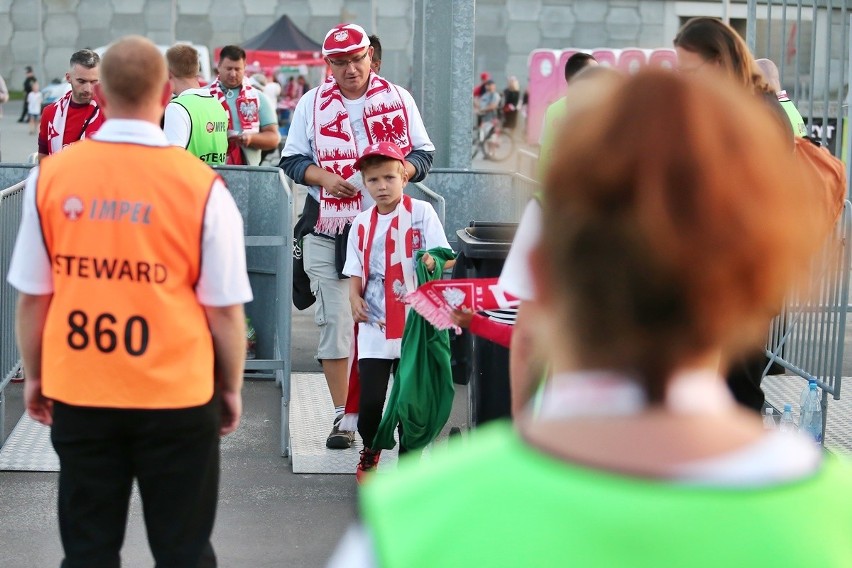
<point x="343" y="39"/>
<point x="387" y="149"/>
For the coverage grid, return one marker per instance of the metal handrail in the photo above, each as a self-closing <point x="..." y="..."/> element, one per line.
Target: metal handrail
<point x="11" y="205"/>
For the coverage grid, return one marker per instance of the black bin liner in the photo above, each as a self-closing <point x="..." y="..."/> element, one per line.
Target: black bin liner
<point x="477" y="362"/>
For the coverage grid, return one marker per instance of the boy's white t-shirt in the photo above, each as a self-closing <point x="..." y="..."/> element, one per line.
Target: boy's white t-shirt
<point x="372" y="343"/>
<point x="34" y="99"/>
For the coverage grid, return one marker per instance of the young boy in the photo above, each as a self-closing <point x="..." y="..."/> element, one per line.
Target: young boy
<point x="380" y="264"/>
<point x="34" y="99"/>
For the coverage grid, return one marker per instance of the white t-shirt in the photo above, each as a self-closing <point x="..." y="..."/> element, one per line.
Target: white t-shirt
<point x="34" y="99"/>
<point x="300" y="137"/>
<point x="515" y="277"/>
<point x="427" y="228"/>
<point x="223" y="280"/>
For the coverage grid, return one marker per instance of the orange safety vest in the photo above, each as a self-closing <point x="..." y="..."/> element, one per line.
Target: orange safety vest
<point x="122" y="224"/>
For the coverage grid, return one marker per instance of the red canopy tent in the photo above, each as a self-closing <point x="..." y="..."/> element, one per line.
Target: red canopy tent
<point x="281" y="44"/>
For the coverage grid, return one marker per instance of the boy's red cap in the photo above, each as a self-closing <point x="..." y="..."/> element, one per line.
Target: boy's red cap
<point x="387" y="149"/>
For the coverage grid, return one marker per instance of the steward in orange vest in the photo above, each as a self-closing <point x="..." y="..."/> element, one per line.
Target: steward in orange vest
<point x="125" y="259"/>
<point x="131" y="272"/>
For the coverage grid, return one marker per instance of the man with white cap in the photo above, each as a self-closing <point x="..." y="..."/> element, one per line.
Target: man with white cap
<point x="331" y="126"/>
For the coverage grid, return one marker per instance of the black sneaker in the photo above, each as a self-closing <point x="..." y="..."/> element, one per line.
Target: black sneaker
<point x="339" y="439"/>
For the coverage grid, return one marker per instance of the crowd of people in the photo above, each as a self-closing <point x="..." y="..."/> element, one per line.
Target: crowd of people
<point x="678" y="209"/>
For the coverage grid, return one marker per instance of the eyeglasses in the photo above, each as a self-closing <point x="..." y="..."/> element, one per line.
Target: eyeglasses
<point x="341" y="63"/>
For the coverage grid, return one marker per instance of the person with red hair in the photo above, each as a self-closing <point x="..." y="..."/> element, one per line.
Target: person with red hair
<point x="638" y="454"/>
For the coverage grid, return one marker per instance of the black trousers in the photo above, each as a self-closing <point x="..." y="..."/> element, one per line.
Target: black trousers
<point x="173" y="455"/>
<point x="375" y="375"/>
<point x="24" y="112"/>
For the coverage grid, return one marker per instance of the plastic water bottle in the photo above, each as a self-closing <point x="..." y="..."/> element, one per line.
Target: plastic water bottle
<point x="804" y="396"/>
<point x="811" y="421"/>
<point x="768" y="419"/>
<point x="787" y="424"/>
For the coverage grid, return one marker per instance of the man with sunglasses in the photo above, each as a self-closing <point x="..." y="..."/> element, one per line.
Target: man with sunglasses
<point x="331" y="126"/>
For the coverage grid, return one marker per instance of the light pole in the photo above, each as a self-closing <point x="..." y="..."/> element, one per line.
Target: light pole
<point x="174" y="22"/>
<point x="40" y="66"/>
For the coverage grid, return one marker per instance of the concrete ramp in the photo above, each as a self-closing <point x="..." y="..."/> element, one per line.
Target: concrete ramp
<point x="28" y="448"/>
<point x="311" y="416"/>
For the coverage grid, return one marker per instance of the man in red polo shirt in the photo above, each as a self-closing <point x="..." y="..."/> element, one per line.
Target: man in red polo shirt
<point x="76" y="115"/>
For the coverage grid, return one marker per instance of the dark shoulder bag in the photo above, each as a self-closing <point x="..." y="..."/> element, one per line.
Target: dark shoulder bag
<point x="340" y="243"/>
<point x="302" y="296"/>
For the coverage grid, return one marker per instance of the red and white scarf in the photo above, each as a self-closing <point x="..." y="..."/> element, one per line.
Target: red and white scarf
<point x="399" y="263"/>
<point x="385" y="120"/>
<point x="435" y="300"/>
<point x="248" y="110"/>
<point x="399" y="280"/>
<point x="56" y="129"/>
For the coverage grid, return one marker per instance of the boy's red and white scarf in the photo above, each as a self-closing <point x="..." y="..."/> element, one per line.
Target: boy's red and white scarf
<point x="399" y="280"/>
<point x="56" y="129"/>
<point x="435" y="300"/>
<point x="385" y="120"/>
<point x="248" y="110"/>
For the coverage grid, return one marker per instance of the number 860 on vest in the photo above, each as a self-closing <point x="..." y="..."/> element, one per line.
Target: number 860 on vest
<point x="102" y="333"/>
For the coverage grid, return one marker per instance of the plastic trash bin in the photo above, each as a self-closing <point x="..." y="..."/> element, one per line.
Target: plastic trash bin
<point x="477" y="362"/>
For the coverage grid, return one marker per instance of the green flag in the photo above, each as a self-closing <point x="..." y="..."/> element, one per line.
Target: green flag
<point x="422" y="394"/>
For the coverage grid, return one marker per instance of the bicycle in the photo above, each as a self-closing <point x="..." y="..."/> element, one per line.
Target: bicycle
<point x="495" y="143"/>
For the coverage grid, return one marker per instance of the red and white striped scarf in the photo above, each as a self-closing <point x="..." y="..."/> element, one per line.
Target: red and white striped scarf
<point x="400" y="279"/>
<point x="385" y="120"/>
<point x="56" y="129"/>
<point x="248" y="110"/>
<point x="435" y="300"/>
<point x="399" y="263"/>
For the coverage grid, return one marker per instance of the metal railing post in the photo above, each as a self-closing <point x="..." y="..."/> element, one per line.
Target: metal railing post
<point x="797" y="89"/>
<point x="751" y="25"/>
<point x="848" y="155"/>
<point x="783" y="57"/>
<point x="11" y="206"/>
<point x="844" y="76"/>
<point x="812" y="78"/>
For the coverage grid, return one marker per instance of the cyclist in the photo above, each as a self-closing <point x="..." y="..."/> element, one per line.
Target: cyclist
<point x="489" y="105"/>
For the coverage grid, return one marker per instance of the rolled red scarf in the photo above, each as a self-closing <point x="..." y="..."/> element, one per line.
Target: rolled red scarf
<point x="435" y="300"/>
<point x="349" y="423"/>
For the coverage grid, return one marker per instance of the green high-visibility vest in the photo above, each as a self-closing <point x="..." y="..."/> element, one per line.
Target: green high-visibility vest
<point x="208" y="135"/>
<point x="553" y="116"/>
<point x="492" y="500"/>
<point x="796" y="120"/>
